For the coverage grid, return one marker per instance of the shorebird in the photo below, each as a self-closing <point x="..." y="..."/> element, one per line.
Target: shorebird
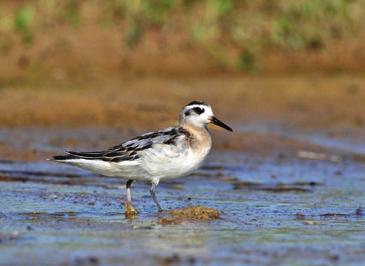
<point x="164" y="154"/>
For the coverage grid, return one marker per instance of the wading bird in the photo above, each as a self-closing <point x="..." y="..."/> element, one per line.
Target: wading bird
<point x="165" y="154"/>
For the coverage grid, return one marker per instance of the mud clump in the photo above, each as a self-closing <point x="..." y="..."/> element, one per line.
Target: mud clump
<point x="130" y="211"/>
<point x="189" y="214"/>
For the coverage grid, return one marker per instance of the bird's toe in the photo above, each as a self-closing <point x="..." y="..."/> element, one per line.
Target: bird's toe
<point x="130" y="211"/>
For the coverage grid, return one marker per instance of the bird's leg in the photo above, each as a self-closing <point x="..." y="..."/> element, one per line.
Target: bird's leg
<point x="129" y="210"/>
<point x="153" y="194"/>
<point x="128" y="187"/>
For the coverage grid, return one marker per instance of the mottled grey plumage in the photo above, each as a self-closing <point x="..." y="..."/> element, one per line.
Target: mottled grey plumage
<point x="129" y="150"/>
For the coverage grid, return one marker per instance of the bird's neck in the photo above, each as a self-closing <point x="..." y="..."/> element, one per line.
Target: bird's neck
<point x="194" y="129"/>
<point x="200" y="137"/>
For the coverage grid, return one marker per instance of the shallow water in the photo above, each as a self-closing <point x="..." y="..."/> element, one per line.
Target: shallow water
<point x="276" y="210"/>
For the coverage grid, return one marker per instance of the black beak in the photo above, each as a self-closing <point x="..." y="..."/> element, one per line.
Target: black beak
<point x="219" y="123"/>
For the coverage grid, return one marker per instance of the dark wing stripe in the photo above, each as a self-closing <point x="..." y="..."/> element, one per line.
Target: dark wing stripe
<point x="171" y="141"/>
<point x="86" y="154"/>
<point x="63" y="157"/>
<point x="124" y="158"/>
<point x="114" y="154"/>
<point x="144" y="147"/>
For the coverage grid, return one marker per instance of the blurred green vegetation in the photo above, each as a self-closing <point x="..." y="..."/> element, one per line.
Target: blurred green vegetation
<point x="235" y="32"/>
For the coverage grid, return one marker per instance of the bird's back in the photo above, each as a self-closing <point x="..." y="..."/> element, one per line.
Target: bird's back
<point x="168" y="153"/>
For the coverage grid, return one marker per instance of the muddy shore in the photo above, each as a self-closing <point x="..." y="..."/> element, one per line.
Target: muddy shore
<point x="287" y="185"/>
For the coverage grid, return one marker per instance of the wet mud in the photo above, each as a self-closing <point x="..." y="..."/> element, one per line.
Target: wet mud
<point x="288" y="199"/>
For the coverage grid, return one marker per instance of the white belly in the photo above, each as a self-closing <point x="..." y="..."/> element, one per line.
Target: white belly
<point x="127" y="169"/>
<point x="163" y="163"/>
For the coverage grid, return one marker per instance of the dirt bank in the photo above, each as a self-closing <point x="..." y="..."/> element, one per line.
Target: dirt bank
<point x="305" y="101"/>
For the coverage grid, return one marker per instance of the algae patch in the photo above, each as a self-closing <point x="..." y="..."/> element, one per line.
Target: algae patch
<point x="189" y="214"/>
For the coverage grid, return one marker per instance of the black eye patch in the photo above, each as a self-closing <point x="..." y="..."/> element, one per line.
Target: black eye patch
<point x="198" y="110"/>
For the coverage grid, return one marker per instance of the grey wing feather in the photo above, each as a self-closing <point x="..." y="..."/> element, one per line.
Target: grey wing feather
<point x="130" y="149"/>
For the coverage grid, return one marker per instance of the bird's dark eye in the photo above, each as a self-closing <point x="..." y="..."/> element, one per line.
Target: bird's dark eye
<point x="187" y="113"/>
<point x="198" y="110"/>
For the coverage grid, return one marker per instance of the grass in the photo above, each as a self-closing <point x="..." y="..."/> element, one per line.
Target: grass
<point x="233" y="33"/>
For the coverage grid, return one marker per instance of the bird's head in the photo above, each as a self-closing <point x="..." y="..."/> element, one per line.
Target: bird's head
<point x="200" y="114"/>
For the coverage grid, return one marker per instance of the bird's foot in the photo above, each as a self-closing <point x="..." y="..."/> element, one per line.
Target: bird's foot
<point x="130" y="211"/>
